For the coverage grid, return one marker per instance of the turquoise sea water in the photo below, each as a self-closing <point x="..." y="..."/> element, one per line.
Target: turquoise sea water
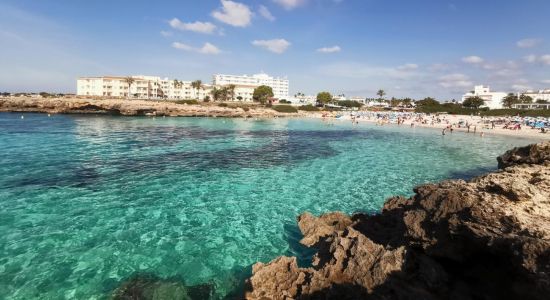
<point x="88" y="201"/>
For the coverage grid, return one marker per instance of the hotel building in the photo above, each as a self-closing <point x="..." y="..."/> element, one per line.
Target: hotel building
<point x="493" y="100"/>
<point x="538" y="95"/>
<point x="154" y="87"/>
<point x="143" y="87"/>
<point x="245" y="85"/>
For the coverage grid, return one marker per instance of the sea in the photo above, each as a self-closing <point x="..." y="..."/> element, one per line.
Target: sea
<point x="88" y="201"/>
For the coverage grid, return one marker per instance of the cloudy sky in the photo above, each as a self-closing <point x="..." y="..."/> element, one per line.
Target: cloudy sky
<point x="409" y="48"/>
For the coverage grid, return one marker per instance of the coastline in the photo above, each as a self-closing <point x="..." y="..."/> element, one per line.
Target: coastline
<point x="170" y="109"/>
<point x="486" y="238"/>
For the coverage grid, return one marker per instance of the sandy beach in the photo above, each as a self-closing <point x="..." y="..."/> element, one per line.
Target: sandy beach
<point x="478" y="125"/>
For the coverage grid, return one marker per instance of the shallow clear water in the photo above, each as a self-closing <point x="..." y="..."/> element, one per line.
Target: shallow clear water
<point x="87" y="201"/>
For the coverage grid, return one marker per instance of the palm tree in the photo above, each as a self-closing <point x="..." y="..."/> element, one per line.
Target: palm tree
<point x="129" y="81"/>
<point x="381" y="93"/>
<point x="231" y="91"/>
<point x="197" y="84"/>
<point x="215" y="94"/>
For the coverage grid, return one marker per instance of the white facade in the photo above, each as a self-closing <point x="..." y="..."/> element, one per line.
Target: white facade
<point x="280" y="86"/>
<point x="493" y="100"/>
<point x="539" y="95"/>
<point x="143" y="87"/>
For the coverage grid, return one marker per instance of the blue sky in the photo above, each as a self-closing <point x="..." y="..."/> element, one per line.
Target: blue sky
<point x="409" y="48"/>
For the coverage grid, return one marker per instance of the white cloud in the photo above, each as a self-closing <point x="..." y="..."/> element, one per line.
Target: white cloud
<point x="530" y="58"/>
<point x="200" y="27"/>
<point x="408" y="67"/>
<point x="357" y="70"/>
<point x="528" y="43"/>
<point x="264" y="12"/>
<point x="472" y="59"/>
<point x="166" y="33"/>
<point x="545" y="81"/>
<point x="521" y="87"/>
<point x="206" y="49"/>
<point x="456" y="80"/>
<point x="233" y="13"/>
<point x="332" y="49"/>
<point x="290" y="4"/>
<point x="209" y="49"/>
<point x="545" y="59"/>
<point x="276" y="45"/>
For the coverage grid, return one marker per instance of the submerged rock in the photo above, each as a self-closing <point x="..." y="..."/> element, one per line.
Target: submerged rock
<point x="488" y="238"/>
<point x="150" y="287"/>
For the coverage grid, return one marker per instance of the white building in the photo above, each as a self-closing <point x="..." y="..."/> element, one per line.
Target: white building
<point x="142" y="87"/>
<point x="539" y="95"/>
<point x="493" y="100"/>
<point x="246" y="84"/>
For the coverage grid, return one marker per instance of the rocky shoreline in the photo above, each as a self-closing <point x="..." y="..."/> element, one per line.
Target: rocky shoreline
<point x="131" y="108"/>
<point x="488" y="238"/>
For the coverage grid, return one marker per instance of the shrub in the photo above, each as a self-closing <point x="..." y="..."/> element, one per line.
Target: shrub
<point x="190" y="102"/>
<point x="308" y="107"/>
<point x="349" y="103"/>
<point x="284" y="108"/>
<point x="223" y="105"/>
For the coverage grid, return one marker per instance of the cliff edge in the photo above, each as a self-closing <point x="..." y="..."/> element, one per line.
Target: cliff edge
<point x="487" y="238"/>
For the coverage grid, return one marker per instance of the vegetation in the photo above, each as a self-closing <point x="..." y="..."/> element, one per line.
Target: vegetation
<point x="381" y="94"/>
<point x="541" y="101"/>
<point x="197" y="84"/>
<point x="129" y="81"/>
<point x="223" y="105"/>
<point x="324" y="98"/>
<point x="263" y="94"/>
<point x="510" y="100"/>
<point x="308" y="107"/>
<point x="189" y="102"/>
<point x="427" y="102"/>
<point x="525" y="99"/>
<point x="284" y="108"/>
<point x="284" y="101"/>
<point x="517" y="112"/>
<point x="473" y="102"/>
<point x="350" y="103"/>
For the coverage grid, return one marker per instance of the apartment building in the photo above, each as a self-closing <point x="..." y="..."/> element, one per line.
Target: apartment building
<point x="493" y="100"/>
<point x="141" y="87"/>
<point x="246" y="84"/>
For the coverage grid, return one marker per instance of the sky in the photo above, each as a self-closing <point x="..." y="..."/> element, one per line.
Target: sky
<point x="414" y="49"/>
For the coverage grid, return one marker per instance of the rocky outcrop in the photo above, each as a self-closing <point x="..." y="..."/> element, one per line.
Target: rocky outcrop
<point x="488" y="238"/>
<point x="130" y="108"/>
<point x="531" y="154"/>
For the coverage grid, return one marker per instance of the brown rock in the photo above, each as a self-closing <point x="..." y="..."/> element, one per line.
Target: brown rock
<point x="488" y="238"/>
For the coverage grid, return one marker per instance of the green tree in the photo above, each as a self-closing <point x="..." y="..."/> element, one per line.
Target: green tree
<point x="473" y="102"/>
<point x="215" y="94"/>
<point x="197" y="84"/>
<point x="381" y="94"/>
<point x="262" y="94"/>
<point x="510" y="100"/>
<point x="541" y="101"/>
<point x="240" y="98"/>
<point x="525" y="99"/>
<point x="129" y="81"/>
<point x="324" y="97"/>
<point x="428" y="101"/>
<point x="406" y="102"/>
